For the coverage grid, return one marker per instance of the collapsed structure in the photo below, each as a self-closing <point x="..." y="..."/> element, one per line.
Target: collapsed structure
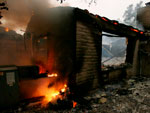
<point x="68" y="41"/>
<point x="73" y="37"/>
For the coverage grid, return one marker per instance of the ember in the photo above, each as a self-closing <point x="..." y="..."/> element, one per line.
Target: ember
<point x="134" y="30"/>
<point x="104" y="19"/>
<point x="141" y="32"/>
<point x="42" y="67"/>
<point x="74" y="104"/>
<point x="115" y="23"/>
<point x="7" y="29"/>
<point x="42" y="70"/>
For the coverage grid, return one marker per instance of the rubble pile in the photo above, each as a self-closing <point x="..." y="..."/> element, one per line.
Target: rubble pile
<point x="126" y="96"/>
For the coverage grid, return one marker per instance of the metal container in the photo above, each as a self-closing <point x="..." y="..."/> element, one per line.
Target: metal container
<point x="9" y="87"/>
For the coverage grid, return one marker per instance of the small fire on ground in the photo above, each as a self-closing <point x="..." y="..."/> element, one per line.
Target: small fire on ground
<point x="54" y="92"/>
<point x="52" y="87"/>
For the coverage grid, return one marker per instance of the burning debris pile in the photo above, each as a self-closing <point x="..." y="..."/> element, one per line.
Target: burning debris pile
<point x="53" y="94"/>
<point x="64" y="58"/>
<point x="123" y="97"/>
<point x="51" y="88"/>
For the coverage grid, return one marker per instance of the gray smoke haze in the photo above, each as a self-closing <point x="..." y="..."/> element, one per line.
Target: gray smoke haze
<point x="12" y="50"/>
<point x="143" y="17"/>
<point x="20" y="12"/>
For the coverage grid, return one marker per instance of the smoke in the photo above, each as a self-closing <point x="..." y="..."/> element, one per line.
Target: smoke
<point x="34" y="88"/>
<point x="12" y="49"/>
<point x="20" y="12"/>
<point x="143" y="17"/>
<point x="45" y="87"/>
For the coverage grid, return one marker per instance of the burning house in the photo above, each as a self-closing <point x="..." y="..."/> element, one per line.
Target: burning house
<point x="64" y="45"/>
<point x="68" y="41"/>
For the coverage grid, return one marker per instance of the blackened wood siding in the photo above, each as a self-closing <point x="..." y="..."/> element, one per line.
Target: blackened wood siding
<point x="88" y="55"/>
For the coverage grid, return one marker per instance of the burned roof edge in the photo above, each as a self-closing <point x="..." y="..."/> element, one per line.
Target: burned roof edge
<point x="107" y="25"/>
<point x="102" y="23"/>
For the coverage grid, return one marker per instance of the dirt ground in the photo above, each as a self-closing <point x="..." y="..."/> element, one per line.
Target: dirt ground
<point x="127" y="96"/>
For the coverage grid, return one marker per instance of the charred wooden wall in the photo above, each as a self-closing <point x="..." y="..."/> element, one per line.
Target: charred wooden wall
<point x="88" y="55"/>
<point x="144" y="58"/>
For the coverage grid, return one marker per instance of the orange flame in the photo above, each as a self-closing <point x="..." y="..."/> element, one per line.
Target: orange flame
<point x="7" y="29"/>
<point x="64" y="89"/>
<point x="52" y="75"/>
<point x="134" y="30"/>
<point x="54" y="93"/>
<point x="96" y="16"/>
<point x="42" y="70"/>
<point x="54" y="88"/>
<point x="104" y="19"/>
<point x="141" y="32"/>
<point x="115" y="23"/>
<point x="74" y="104"/>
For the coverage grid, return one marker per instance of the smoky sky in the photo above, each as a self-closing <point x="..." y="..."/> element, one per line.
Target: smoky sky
<point x="143" y="17"/>
<point x="20" y="12"/>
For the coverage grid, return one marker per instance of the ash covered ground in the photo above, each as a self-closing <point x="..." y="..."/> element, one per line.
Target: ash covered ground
<point x="126" y="96"/>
